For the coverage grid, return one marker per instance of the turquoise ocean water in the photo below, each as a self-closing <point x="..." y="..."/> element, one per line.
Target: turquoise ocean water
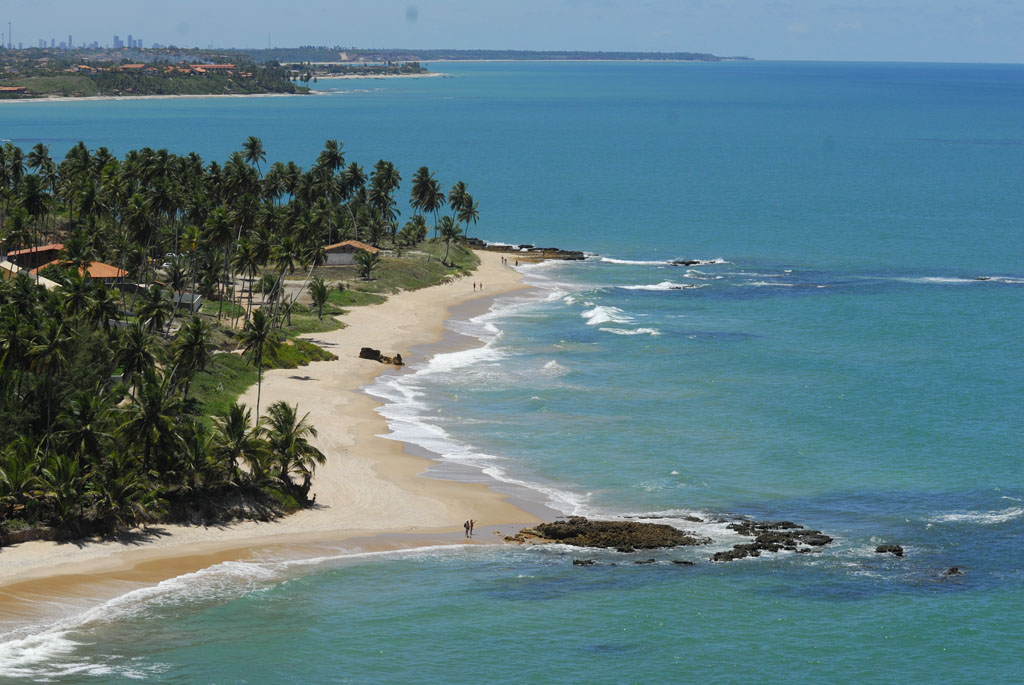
<point x="834" y="360"/>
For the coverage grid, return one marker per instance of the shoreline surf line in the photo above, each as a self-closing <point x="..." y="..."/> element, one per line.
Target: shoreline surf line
<point x="183" y="96"/>
<point x="370" y="486"/>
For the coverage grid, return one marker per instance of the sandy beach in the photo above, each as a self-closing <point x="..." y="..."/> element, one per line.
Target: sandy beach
<point x="370" y="495"/>
<point x="106" y="98"/>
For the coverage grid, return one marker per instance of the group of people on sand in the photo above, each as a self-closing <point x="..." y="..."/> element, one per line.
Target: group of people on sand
<point x="468" y="525"/>
<point x="475" y="285"/>
<point x="504" y="260"/>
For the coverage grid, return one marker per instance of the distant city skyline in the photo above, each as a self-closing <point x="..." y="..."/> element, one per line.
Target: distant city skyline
<point x="870" y="30"/>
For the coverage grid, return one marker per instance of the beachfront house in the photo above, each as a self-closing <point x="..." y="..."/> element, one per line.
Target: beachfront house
<point x="98" y="271"/>
<point x="344" y="253"/>
<point x="32" y="257"/>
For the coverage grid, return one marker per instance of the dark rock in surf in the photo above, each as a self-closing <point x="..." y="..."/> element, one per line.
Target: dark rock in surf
<point x="583" y="562"/>
<point x="682" y="562"/>
<point x="645" y="561"/>
<point x="954" y="571"/>
<point x="375" y="355"/>
<point x="771" y="536"/>
<point x="624" y="536"/>
<point x="894" y="550"/>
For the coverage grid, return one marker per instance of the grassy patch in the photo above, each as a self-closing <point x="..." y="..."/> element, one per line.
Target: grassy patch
<point x="65" y="85"/>
<point x="224" y="380"/>
<point x="294" y="353"/>
<point x="303" y="323"/>
<point x="352" y="298"/>
<point x="227" y="309"/>
<point x="229" y="375"/>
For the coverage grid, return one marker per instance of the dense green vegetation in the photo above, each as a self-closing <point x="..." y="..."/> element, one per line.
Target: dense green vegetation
<point x="118" y="404"/>
<point x="86" y="73"/>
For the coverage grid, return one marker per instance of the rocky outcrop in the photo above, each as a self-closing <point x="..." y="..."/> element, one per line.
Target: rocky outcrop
<point x="624" y="536"/>
<point x="375" y="355"/>
<point x="771" y="536"/>
<point x="527" y="252"/>
<point x="894" y="550"/>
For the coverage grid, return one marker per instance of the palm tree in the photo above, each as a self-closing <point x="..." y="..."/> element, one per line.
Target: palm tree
<point x="192" y="350"/>
<point x="103" y="308"/>
<point x="366" y="261"/>
<point x="155" y="309"/>
<point x="319" y="291"/>
<point x="151" y="418"/>
<point x="84" y="424"/>
<point x="449" y="231"/>
<point x="332" y="156"/>
<point x="469" y="212"/>
<point x="136" y="351"/>
<point x="50" y="354"/>
<point x="289" y="437"/>
<point x="252" y="151"/>
<point x="239" y="442"/>
<point x="61" y="487"/>
<point x="257" y="337"/>
<point x="457" y="196"/>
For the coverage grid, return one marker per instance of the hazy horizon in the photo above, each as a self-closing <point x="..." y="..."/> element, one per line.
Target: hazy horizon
<point x="854" y="30"/>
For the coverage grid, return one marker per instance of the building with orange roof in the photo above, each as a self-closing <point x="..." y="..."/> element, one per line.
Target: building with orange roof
<point x="97" y="270"/>
<point x="31" y="257"/>
<point x="344" y="253"/>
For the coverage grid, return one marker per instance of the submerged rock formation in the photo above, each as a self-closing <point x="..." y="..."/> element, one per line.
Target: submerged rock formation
<point x="624" y="536"/>
<point x="894" y="550"/>
<point x="771" y="536"/>
<point x="375" y="355"/>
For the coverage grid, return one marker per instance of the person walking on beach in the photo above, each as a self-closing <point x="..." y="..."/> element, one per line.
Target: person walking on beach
<point x="474" y="286"/>
<point x="466" y="526"/>
<point x="471" y="524"/>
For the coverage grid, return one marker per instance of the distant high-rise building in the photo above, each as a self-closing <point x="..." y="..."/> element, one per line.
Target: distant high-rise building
<point x="117" y="42"/>
<point x="138" y="43"/>
<point x="131" y="43"/>
<point x="70" y="44"/>
<point x="53" y="42"/>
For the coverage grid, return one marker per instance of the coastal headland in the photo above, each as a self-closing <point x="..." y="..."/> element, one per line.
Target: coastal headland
<point x="370" y="495"/>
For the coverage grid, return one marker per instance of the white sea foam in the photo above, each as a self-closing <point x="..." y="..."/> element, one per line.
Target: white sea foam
<point x="662" y="262"/>
<point x="665" y="285"/>
<point x="605" y="314"/>
<point x="46" y="652"/>
<point x="554" y="369"/>
<point x="632" y="331"/>
<point x="413" y="419"/>
<point x="981" y="517"/>
<point x="635" y="262"/>
<point x="768" y="284"/>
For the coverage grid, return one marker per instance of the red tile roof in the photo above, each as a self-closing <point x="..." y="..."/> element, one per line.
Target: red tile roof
<point x="353" y="243"/>
<point x="96" y="269"/>
<point x="52" y="247"/>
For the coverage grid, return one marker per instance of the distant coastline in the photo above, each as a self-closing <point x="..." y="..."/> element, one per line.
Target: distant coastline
<point x="104" y="98"/>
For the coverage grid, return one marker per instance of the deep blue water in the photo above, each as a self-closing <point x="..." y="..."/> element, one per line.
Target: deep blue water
<point x="835" y="363"/>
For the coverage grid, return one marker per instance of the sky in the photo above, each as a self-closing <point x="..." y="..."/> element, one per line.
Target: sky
<point x="869" y="30"/>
